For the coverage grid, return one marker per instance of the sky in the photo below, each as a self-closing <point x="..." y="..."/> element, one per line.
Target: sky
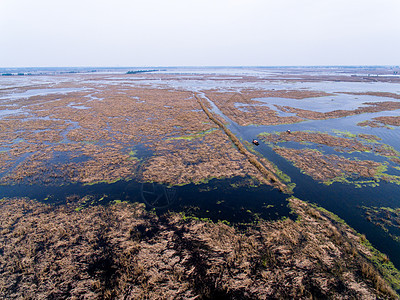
<point x="119" y="33"/>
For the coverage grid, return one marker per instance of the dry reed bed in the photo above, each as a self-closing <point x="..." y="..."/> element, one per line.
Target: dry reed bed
<point x="123" y="116"/>
<point x="104" y="134"/>
<point x="265" y="169"/>
<point x="313" y="115"/>
<point x="124" y="252"/>
<point x="201" y="159"/>
<point x="340" y="144"/>
<point x="382" y="121"/>
<point x="261" y="115"/>
<point x="378" y="94"/>
<point x="326" y="168"/>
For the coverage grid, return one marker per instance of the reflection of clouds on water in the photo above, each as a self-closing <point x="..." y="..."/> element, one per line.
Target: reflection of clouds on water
<point x="8" y="112"/>
<point x="344" y="86"/>
<point x="39" y="92"/>
<point x="93" y="98"/>
<point x="77" y="105"/>
<point x="244" y="108"/>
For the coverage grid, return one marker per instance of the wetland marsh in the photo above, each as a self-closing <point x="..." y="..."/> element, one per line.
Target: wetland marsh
<point x="177" y="142"/>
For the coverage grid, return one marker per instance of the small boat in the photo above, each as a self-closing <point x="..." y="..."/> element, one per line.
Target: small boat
<point x="255" y="142"/>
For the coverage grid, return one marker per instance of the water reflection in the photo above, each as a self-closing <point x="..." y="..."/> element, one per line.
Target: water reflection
<point x="157" y="195"/>
<point x="220" y="199"/>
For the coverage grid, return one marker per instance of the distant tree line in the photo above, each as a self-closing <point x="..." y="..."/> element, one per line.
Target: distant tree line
<point x="140" y="71"/>
<point x="19" y="74"/>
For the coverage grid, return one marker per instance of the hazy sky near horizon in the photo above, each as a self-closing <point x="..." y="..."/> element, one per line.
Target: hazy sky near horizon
<point x="199" y="33"/>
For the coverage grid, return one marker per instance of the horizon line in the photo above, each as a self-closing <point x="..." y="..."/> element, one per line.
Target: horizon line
<point x="199" y="66"/>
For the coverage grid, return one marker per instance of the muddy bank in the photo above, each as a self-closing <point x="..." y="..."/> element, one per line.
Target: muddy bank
<point x="122" y="251"/>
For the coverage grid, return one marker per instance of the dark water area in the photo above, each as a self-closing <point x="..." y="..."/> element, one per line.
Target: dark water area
<point x="234" y="204"/>
<point x="216" y="200"/>
<point x="345" y="200"/>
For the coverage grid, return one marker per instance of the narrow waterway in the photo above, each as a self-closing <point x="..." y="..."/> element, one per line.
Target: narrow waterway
<point x="344" y="200"/>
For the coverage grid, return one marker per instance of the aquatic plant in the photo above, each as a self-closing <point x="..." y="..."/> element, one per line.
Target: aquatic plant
<point x="193" y="136"/>
<point x="346" y="133"/>
<point x="333" y="168"/>
<point x="387" y="218"/>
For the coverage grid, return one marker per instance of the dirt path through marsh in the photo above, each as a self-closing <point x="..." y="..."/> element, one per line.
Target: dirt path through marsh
<point x="265" y="168"/>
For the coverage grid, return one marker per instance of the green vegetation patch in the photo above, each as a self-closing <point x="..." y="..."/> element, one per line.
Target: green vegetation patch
<point x="104" y="181"/>
<point x="369" y="138"/>
<point x="345" y="133"/>
<point x="380" y="175"/>
<point x="383" y="264"/>
<point x="194" y="135"/>
<point x="133" y="155"/>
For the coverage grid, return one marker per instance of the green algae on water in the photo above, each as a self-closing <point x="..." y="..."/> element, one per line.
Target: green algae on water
<point x="194" y="135"/>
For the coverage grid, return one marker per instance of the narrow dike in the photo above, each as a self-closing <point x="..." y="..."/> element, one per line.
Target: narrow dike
<point x="266" y="171"/>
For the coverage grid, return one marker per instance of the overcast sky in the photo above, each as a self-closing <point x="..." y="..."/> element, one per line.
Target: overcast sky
<point x="199" y="32"/>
